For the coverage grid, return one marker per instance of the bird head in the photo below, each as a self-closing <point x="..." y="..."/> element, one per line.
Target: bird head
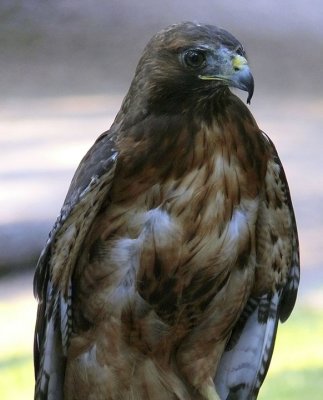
<point x="210" y="54"/>
<point x="187" y="62"/>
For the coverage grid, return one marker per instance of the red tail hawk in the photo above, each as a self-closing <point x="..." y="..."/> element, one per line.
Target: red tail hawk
<point x="176" y="250"/>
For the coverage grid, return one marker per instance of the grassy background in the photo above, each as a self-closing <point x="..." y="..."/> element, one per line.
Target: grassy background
<point x="17" y="320"/>
<point x="297" y="365"/>
<point x="296" y="370"/>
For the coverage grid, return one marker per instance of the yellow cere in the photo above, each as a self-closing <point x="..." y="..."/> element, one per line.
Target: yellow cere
<point x="238" y="62"/>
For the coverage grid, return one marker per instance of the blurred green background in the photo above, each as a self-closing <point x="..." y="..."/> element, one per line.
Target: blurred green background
<point x="65" y="67"/>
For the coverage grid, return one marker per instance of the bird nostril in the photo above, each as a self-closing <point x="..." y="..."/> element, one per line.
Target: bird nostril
<point x="238" y="63"/>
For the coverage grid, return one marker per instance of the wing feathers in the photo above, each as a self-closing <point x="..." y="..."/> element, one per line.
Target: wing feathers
<point x="52" y="282"/>
<point x="245" y="362"/>
<point x="289" y="293"/>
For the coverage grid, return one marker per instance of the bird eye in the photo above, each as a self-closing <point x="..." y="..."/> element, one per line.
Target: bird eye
<point x="194" y="58"/>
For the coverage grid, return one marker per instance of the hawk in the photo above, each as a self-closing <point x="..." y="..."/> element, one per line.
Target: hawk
<point x="175" y="253"/>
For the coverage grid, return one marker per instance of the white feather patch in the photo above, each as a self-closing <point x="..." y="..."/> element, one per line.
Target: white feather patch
<point x="238" y="224"/>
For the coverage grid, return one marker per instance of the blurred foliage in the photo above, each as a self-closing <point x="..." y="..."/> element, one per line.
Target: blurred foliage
<point x="16" y="377"/>
<point x="296" y="370"/>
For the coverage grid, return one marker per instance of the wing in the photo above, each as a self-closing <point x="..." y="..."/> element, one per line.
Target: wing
<point x="52" y="282"/>
<point x="248" y="353"/>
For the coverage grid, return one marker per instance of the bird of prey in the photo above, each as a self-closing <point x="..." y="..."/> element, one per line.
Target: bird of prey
<point x="175" y="253"/>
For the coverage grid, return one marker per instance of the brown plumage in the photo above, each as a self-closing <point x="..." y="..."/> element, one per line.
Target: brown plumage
<point x="176" y="250"/>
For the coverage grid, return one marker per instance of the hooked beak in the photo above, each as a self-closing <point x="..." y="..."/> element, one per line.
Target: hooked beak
<point x="239" y="76"/>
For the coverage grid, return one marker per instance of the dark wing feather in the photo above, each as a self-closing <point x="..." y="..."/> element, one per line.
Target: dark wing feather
<point x="52" y="281"/>
<point x="244" y="364"/>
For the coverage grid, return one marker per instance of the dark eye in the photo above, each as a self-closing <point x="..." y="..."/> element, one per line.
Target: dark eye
<point x="194" y="58"/>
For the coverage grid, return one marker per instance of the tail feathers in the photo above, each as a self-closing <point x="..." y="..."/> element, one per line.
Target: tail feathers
<point x="49" y="384"/>
<point x="52" y="351"/>
<point x="245" y="362"/>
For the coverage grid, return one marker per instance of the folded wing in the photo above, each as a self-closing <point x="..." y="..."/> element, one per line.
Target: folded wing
<point x="248" y="353"/>
<point x="52" y="282"/>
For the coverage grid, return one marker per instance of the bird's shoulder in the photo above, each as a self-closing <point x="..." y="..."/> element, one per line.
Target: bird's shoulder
<point x="90" y="183"/>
